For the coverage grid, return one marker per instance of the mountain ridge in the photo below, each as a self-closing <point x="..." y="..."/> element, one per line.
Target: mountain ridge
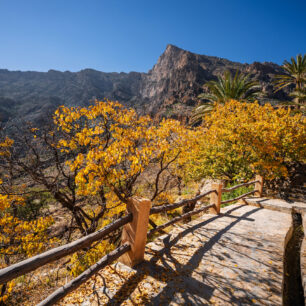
<point x="169" y="89"/>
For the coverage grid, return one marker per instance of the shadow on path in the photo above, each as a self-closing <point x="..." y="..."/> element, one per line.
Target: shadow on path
<point x="179" y="279"/>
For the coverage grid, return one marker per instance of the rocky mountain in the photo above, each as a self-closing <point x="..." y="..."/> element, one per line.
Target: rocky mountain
<point x="35" y="94"/>
<point x="169" y="89"/>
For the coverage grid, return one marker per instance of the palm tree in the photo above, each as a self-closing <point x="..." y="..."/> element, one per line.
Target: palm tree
<point x="227" y="87"/>
<point x="295" y="75"/>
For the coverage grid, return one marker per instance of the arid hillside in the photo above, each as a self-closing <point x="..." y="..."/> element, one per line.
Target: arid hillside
<point x="169" y="89"/>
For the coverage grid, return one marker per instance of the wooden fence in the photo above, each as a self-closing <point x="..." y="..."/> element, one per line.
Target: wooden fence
<point x="134" y="236"/>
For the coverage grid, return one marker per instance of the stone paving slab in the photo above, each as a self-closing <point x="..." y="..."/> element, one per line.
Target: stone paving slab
<point x="288" y="207"/>
<point x="235" y="258"/>
<point x="232" y="259"/>
<point x="277" y="204"/>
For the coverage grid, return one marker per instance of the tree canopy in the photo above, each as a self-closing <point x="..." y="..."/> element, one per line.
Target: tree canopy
<point x="240" y="139"/>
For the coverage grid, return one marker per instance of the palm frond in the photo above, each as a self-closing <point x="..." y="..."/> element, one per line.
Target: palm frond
<point x="295" y="75"/>
<point x="225" y="88"/>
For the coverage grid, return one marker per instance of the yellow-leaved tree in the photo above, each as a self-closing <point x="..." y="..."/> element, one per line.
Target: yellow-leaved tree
<point x="118" y="145"/>
<point x="239" y="139"/>
<point x="19" y="238"/>
<point x="120" y="154"/>
<point x="90" y="160"/>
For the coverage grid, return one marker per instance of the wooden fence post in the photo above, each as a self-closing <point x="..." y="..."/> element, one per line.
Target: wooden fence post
<point x="135" y="232"/>
<point x="215" y="198"/>
<point x="258" y="186"/>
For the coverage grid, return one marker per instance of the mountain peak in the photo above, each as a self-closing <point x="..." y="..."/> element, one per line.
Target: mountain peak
<point x="168" y="59"/>
<point x="171" y="47"/>
<point x="172" y="50"/>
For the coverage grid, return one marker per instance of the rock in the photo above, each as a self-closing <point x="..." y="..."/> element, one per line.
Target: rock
<point x="169" y="89"/>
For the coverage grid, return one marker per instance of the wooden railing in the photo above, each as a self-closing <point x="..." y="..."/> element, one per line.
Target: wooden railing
<point x="134" y="237"/>
<point x="215" y="202"/>
<point x="165" y="208"/>
<point x="258" y="182"/>
<point x="82" y="278"/>
<point x="39" y="260"/>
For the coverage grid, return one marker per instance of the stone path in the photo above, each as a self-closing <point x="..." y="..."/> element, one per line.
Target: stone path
<point x="235" y="258"/>
<point x="277" y="204"/>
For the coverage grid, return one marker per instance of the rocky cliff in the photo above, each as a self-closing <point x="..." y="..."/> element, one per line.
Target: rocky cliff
<point x="169" y="89"/>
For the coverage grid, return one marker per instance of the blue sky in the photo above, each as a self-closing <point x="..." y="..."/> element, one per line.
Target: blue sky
<point x="129" y="35"/>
